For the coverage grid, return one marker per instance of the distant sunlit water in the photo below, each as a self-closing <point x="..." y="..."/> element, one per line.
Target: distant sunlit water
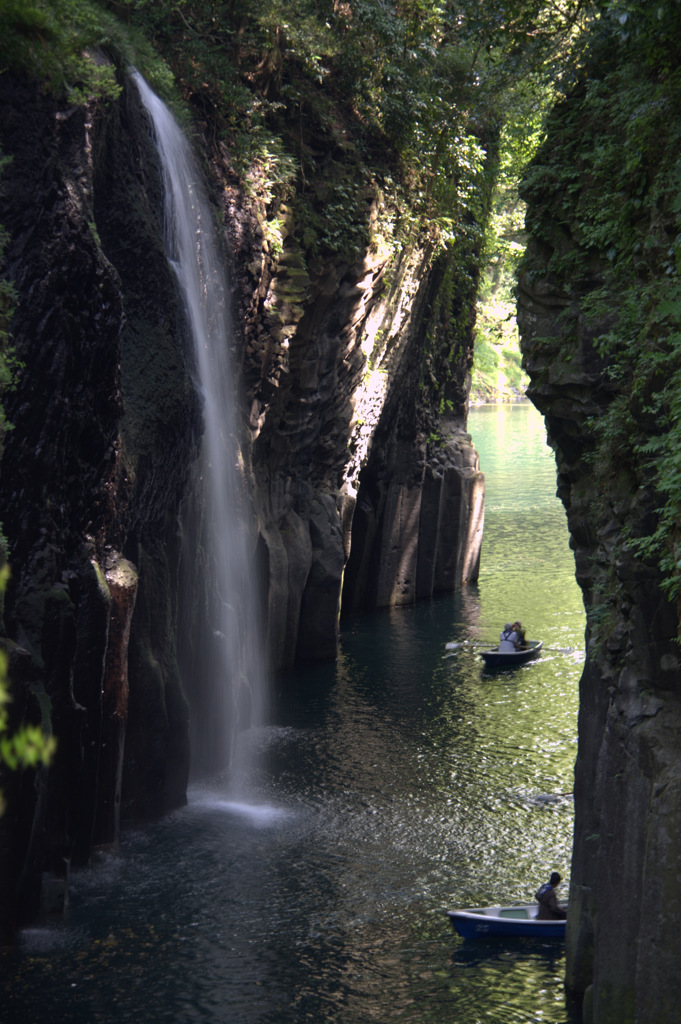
<point x="398" y="782"/>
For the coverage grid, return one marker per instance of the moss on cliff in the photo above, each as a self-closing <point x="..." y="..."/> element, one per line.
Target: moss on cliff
<point x="605" y="214"/>
<point x="599" y="306"/>
<point x="356" y="129"/>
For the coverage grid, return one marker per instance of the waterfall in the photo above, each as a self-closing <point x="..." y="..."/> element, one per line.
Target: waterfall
<point x="234" y="656"/>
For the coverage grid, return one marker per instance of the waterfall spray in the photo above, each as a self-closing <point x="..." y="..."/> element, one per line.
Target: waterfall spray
<point x="238" y="686"/>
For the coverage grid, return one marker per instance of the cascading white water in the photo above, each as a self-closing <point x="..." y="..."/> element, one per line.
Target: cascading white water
<point x="192" y="251"/>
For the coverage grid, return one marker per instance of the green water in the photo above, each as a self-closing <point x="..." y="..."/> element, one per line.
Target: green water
<point x="394" y="784"/>
<point x="527" y="567"/>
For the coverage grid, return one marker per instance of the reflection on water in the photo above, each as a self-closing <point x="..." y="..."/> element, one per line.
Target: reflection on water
<point x="392" y="785"/>
<point x="526" y="566"/>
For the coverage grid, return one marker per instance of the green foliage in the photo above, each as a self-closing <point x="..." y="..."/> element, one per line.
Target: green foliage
<point x="497" y="371"/>
<point x="425" y="85"/>
<point x="425" y="105"/>
<point x="611" y="176"/>
<point x="60" y="42"/>
<point x="75" y="47"/>
<point x="29" y="746"/>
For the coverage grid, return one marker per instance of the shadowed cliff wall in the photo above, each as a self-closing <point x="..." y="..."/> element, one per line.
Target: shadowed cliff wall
<point x="105" y="422"/>
<point x="356" y="376"/>
<point x="599" y="316"/>
<point x="354" y="396"/>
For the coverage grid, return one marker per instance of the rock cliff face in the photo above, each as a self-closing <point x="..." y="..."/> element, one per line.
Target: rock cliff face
<point x="356" y="375"/>
<point x="622" y="941"/>
<point x="355" y="455"/>
<point x="105" y="424"/>
<point x="622" y="938"/>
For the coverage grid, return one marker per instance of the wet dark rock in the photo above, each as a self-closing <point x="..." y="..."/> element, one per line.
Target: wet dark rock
<point x="363" y="485"/>
<point x="622" y="935"/>
<point x="95" y="464"/>
<point x="325" y="428"/>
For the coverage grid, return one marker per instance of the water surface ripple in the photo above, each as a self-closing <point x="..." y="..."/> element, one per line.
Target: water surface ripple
<point x="398" y="782"/>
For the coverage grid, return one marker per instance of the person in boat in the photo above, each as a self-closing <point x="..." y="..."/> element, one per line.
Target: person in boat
<point x="508" y="639"/>
<point x="548" y="901"/>
<point x="518" y="628"/>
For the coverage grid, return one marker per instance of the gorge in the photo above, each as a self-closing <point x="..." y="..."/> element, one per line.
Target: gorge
<point x="387" y="787"/>
<point x="352" y="348"/>
<point x="110" y="549"/>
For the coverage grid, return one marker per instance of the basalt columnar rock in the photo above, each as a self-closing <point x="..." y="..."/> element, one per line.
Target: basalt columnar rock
<point x="356" y="378"/>
<point x="364" y="485"/>
<point x="622" y="938"/>
<point x="105" y="426"/>
<point x="603" y="218"/>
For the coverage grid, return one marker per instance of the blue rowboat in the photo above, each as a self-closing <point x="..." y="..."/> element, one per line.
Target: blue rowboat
<point x="518" y="921"/>
<point x="494" y="658"/>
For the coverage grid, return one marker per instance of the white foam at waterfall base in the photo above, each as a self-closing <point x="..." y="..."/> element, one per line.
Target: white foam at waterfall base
<point x="259" y="815"/>
<point x="192" y="251"/>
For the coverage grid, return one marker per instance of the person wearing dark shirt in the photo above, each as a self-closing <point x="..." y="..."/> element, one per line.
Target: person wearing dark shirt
<point x="548" y="902"/>
<point x="520" y="630"/>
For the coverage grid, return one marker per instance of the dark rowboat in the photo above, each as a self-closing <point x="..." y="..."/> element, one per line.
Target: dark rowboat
<point x="494" y="658"/>
<point x="512" y="921"/>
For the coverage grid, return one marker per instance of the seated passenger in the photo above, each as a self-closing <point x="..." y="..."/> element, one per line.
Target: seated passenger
<point x="548" y="903"/>
<point x="520" y="630"/>
<point x="508" y="639"/>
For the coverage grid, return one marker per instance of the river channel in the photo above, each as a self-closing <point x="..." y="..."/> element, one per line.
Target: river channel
<point x="394" y="784"/>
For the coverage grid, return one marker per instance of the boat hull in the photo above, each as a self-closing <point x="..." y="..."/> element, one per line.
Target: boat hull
<point x="494" y="658"/>
<point x="505" y="921"/>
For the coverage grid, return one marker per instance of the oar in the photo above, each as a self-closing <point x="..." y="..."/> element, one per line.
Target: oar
<point x="494" y="643"/>
<point x="451" y="646"/>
